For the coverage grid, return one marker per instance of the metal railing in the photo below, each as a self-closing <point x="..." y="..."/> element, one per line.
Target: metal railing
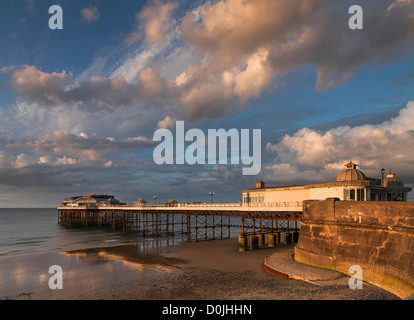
<point x="227" y="205"/>
<point x="274" y="204"/>
<point x="203" y="205"/>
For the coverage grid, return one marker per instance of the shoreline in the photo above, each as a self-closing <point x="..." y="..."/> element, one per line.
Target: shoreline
<point x="206" y="270"/>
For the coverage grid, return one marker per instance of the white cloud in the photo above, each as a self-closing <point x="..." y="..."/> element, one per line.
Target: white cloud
<point x="134" y="63"/>
<point x="154" y="22"/>
<point x="65" y="161"/>
<point x="45" y="160"/>
<point x="22" y="160"/>
<point x="108" y="164"/>
<point x="319" y="155"/>
<point x="83" y="135"/>
<point x="167" y="123"/>
<point x="257" y="75"/>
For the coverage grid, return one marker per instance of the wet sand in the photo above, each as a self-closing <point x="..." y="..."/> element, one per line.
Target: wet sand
<point x="210" y="270"/>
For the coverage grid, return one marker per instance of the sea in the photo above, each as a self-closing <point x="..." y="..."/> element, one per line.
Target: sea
<point x="25" y="231"/>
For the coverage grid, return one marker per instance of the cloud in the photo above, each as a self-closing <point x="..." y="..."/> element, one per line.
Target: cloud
<point x="62" y="148"/>
<point x="90" y="14"/>
<point x="7" y="69"/>
<point x="93" y="95"/>
<point x="45" y="160"/>
<point x="154" y="21"/>
<point x="65" y="161"/>
<point x="108" y="164"/>
<point x="399" y="3"/>
<point x="5" y="159"/>
<point x="136" y="61"/>
<point x="230" y="30"/>
<point x="22" y="160"/>
<point x="243" y="55"/>
<point x="203" y="98"/>
<point x="235" y="56"/>
<point x="84" y="148"/>
<point x="35" y="85"/>
<point x="319" y="156"/>
<point x="151" y="83"/>
<point x="237" y="65"/>
<point x="167" y="123"/>
<point x="228" y="175"/>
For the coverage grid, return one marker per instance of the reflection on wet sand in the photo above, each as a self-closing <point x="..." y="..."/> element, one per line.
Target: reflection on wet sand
<point x="139" y="256"/>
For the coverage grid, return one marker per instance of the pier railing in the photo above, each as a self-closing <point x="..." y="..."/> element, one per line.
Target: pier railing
<point x="284" y="204"/>
<point x="264" y="205"/>
<point x="261" y="204"/>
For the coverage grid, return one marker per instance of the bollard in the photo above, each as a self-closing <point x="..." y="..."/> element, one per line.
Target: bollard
<point x="295" y="237"/>
<point x="260" y="238"/>
<point x="288" y="238"/>
<point x="272" y="240"/>
<point x="277" y="237"/>
<point x="242" y="243"/>
<point x="253" y="243"/>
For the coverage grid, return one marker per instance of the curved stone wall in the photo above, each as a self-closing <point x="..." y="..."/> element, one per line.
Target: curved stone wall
<point x="377" y="236"/>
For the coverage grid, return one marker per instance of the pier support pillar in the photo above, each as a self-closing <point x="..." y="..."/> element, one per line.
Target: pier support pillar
<point x="277" y="237"/>
<point x="242" y="243"/>
<point x="295" y="237"/>
<point x="253" y="243"/>
<point x="288" y="238"/>
<point x="271" y="240"/>
<point x="260" y="239"/>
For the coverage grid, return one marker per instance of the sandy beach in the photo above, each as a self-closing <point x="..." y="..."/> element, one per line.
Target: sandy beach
<point x="210" y="270"/>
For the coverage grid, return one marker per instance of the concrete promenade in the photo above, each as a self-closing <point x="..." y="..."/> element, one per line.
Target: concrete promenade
<point x="283" y="265"/>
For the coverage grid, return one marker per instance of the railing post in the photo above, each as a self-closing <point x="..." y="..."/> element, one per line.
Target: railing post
<point x="228" y="220"/>
<point x="196" y="228"/>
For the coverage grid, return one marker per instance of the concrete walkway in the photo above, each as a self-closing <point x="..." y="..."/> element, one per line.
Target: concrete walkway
<point x="283" y="265"/>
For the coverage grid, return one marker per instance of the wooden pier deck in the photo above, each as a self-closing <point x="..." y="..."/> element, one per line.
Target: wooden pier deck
<point x="198" y="221"/>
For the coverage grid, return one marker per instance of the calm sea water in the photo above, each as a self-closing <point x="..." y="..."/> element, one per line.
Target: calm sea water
<point x="24" y="231"/>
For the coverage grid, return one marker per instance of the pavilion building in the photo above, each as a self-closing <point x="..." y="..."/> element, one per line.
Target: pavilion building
<point x="351" y="184"/>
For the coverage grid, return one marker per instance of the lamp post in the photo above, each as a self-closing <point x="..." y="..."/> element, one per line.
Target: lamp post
<point x="155" y="199"/>
<point x="382" y="175"/>
<point x="212" y="195"/>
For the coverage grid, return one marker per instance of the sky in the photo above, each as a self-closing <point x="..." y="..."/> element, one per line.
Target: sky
<point x="79" y="106"/>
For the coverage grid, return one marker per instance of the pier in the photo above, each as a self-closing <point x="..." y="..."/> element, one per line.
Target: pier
<point x="197" y="221"/>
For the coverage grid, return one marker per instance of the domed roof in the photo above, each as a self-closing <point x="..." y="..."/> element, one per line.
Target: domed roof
<point x="351" y="173"/>
<point x="392" y="181"/>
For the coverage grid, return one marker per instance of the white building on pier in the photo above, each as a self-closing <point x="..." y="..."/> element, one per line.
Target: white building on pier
<point x="350" y="184"/>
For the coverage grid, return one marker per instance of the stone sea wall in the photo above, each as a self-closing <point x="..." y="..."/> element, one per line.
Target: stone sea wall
<point x="377" y="236"/>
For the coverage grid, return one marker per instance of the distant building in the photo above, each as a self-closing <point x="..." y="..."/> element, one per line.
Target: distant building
<point x="140" y="203"/>
<point x="350" y="184"/>
<point x="91" y="200"/>
<point x="70" y="199"/>
<point x="171" y="203"/>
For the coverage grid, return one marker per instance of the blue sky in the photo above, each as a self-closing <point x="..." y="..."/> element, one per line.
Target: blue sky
<point x="79" y="106"/>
